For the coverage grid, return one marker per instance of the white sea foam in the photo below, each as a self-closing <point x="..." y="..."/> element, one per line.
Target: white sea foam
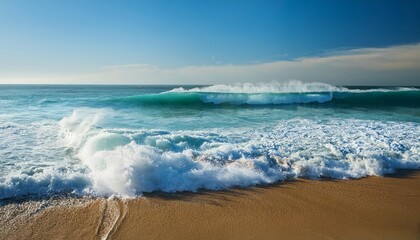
<point x="131" y="162"/>
<point x="292" y="86"/>
<point x="48" y="181"/>
<point x="35" y="162"/>
<point x="128" y="162"/>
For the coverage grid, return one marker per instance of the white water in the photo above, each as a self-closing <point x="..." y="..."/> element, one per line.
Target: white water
<point x="127" y="162"/>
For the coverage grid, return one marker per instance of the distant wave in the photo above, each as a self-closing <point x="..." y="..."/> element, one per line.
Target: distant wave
<point x="293" y="92"/>
<point x="293" y="86"/>
<point x="261" y="88"/>
<point x="200" y="98"/>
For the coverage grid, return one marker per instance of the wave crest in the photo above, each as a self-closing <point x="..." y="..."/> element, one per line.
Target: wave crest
<point x="293" y="86"/>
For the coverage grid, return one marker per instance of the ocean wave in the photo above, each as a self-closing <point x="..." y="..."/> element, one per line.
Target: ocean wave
<point x="258" y="88"/>
<point x="191" y="98"/>
<point x="293" y="92"/>
<point x="293" y="86"/>
<point x="129" y="162"/>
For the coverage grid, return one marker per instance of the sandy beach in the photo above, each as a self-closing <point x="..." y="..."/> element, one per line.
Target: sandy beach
<point x="198" y="120"/>
<point x="369" y="208"/>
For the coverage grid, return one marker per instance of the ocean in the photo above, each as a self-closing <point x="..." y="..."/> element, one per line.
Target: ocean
<point x="92" y="140"/>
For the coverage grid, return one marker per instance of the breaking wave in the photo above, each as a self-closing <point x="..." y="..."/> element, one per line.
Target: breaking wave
<point x="129" y="162"/>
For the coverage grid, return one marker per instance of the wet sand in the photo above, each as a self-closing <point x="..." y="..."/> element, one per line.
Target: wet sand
<point x="369" y="208"/>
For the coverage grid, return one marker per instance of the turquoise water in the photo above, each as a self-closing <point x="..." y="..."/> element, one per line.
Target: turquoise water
<point x="126" y="140"/>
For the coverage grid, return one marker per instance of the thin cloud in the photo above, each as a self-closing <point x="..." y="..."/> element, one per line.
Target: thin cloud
<point x="398" y="65"/>
<point x="377" y="66"/>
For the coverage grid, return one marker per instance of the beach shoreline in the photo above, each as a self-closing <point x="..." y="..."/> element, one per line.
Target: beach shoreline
<point x="368" y="208"/>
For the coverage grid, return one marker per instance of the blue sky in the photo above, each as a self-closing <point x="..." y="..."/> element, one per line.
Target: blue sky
<point x="51" y="40"/>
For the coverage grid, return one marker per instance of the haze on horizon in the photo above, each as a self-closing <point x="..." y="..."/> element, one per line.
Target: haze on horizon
<point x="375" y="42"/>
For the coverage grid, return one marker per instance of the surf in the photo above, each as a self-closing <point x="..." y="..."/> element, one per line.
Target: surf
<point x="126" y="141"/>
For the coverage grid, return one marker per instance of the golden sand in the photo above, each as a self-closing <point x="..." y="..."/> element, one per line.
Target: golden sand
<point x="369" y="208"/>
